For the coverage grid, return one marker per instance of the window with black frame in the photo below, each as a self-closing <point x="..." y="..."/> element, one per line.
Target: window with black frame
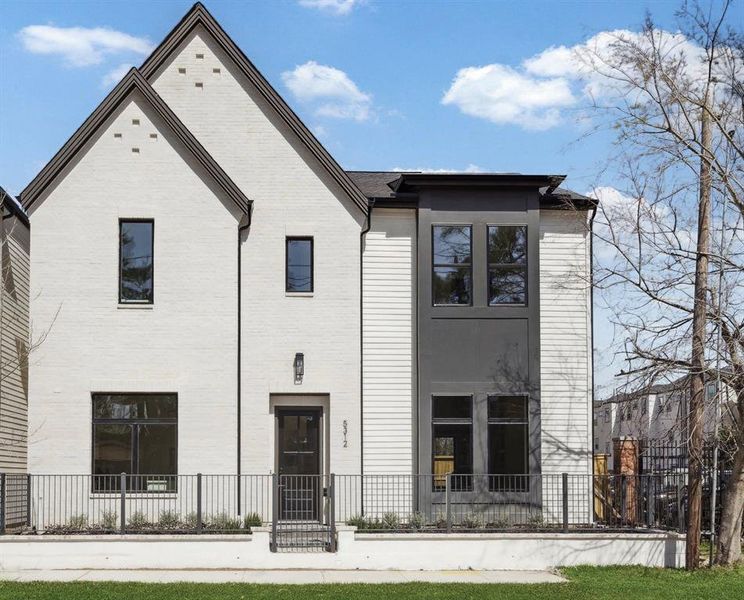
<point x="508" y="443"/>
<point x="135" y="434"/>
<point x="452" y="265"/>
<point x="136" y="261"/>
<point x="299" y="272"/>
<point x="507" y="264"/>
<point x="452" y="442"/>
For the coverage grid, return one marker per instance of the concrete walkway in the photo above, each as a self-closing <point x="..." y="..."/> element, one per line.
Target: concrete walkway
<point x="283" y="576"/>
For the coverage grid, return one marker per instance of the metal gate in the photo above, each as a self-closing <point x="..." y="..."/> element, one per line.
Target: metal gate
<point x="303" y="515"/>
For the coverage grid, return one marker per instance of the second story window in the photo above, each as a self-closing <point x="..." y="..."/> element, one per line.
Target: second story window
<point x="299" y="273"/>
<point x="135" y="261"/>
<point x="507" y="264"/>
<point x="452" y="265"/>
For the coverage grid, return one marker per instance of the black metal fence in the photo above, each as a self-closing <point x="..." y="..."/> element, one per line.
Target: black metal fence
<point x="303" y="512"/>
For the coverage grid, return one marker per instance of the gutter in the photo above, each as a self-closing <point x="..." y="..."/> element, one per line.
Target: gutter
<point x="245" y="223"/>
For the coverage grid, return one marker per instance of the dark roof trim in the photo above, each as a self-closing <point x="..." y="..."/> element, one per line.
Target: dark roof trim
<point x="199" y="15"/>
<point x="8" y="202"/>
<point x="413" y="181"/>
<point x="132" y="81"/>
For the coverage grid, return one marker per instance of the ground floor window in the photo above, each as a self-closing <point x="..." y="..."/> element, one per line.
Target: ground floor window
<point x="508" y="443"/>
<point x="497" y="431"/>
<point x="452" y="436"/>
<point x="135" y="434"/>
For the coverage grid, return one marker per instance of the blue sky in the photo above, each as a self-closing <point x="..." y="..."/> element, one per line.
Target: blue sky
<point x="380" y="82"/>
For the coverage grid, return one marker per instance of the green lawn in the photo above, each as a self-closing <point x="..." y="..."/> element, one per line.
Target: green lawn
<point x="628" y="583"/>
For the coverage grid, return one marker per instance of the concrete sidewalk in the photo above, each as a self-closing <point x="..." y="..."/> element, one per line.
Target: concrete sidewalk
<point x="283" y="576"/>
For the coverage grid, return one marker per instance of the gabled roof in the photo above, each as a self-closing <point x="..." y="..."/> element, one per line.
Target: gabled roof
<point x="199" y="15"/>
<point x="132" y="81"/>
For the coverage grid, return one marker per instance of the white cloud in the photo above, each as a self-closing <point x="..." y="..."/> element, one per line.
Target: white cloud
<point x="329" y="90"/>
<point x="115" y="75"/>
<point x="503" y="95"/>
<point x="336" y="7"/>
<point x="471" y="168"/>
<point x="81" y="46"/>
<point x="535" y="94"/>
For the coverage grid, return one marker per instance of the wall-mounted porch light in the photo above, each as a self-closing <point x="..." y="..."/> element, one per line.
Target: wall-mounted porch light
<point x="299" y="367"/>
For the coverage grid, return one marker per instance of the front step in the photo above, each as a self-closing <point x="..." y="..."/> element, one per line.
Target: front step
<point x="302" y="537"/>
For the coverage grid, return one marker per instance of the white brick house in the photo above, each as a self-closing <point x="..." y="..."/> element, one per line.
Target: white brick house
<point x="210" y="264"/>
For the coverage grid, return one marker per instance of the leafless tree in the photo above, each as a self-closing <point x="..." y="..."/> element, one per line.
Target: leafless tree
<point x="671" y="247"/>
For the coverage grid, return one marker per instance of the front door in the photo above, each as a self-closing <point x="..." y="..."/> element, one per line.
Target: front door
<point x="300" y="489"/>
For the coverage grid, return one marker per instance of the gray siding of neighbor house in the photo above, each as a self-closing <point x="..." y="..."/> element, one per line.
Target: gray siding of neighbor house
<point x="478" y="350"/>
<point x="14" y="343"/>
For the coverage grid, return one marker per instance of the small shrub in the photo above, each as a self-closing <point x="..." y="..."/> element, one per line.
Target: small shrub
<point x="390" y="521"/>
<point x="169" y="519"/>
<point x="77" y="523"/>
<point x="499" y="524"/>
<point x="441" y="521"/>
<point x="417" y="521"/>
<point x="109" y="520"/>
<point x="536" y="522"/>
<point x="189" y="521"/>
<point x="223" y="522"/>
<point x="252" y="520"/>
<point x="357" y="521"/>
<point x="472" y="521"/>
<point x="138" y="520"/>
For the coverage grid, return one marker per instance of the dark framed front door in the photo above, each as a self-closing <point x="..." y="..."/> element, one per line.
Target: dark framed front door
<point x="298" y="463"/>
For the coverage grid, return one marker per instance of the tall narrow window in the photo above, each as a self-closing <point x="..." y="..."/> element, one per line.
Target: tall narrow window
<point x="135" y="434"/>
<point x="452" y="265"/>
<point x="299" y="277"/>
<point x="452" y="441"/>
<point x="507" y="264"/>
<point x="507" y="442"/>
<point x="135" y="261"/>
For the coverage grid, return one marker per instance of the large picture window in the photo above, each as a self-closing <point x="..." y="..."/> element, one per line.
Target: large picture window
<point x="452" y="265"/>
<point x="299" y="264"/>
<point x="452" y="436"/>
<point x="135" y="261"/>
<point x="135" y="434"/>
<point x="507" y="442"/>
<point x="507" y="264"/>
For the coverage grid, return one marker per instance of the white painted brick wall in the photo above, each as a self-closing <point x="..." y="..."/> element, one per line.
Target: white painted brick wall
<point x="291" y="197"/>
<point x="183" y="344"/>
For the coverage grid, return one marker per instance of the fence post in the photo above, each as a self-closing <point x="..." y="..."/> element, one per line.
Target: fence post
<point x="28" y="500"/>
<point x="564" y="494"/>
<point x="123" y="502"/>
<point x="447" y="501"/>
<point x="3" y="498"/>
<point x="199" y="521"/>
<point x="623" y="499"/>
<point x="332" y="511"/>
<point x="275" y="509"/>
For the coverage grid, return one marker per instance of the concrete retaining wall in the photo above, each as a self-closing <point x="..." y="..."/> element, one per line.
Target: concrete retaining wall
<point x="403" y="552"/>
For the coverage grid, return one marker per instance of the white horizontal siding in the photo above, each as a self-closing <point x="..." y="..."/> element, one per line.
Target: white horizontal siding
<point x="565" y="342"/>
<point x="388" y="321"/>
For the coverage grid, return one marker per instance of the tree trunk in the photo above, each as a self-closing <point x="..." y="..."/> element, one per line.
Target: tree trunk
<point x="728" y="550"/>
<point x="697" y="383"/>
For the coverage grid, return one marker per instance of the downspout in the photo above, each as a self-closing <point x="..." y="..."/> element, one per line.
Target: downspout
<point x="591" y="303"/>
<point x="365" y="230"/>
<point x="245" y="223"/>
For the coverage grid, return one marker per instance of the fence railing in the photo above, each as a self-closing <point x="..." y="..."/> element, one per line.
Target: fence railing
<point x="308" y="508"/>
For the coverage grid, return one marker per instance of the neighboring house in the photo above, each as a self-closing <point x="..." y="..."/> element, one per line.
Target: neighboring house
<point x="656" y="414"/>
<point x="14" y="335"/>
<point x="229" y="300"/>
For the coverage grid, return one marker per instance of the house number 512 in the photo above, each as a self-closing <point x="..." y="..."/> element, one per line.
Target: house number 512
<point x="346" y="431"/>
